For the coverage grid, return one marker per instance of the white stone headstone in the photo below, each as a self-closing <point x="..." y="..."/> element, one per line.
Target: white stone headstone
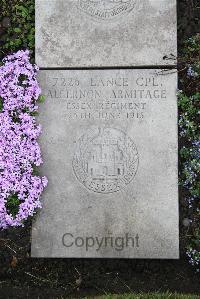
<point x="109" y="146"/>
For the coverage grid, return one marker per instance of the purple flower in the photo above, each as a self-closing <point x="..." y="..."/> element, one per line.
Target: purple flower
<point x="191" y="72"/>
<point x="19" y="150"/>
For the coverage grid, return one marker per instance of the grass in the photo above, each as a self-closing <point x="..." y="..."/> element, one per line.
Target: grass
<point x="148" y="296"/>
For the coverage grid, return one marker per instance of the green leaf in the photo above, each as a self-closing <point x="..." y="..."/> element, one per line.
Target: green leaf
<point x="1" y="104"/>
<point x="34" y="113"/>
<point x="41" y="99"/>
<point x="17" y="30"/>
<point x="12" y="204"/>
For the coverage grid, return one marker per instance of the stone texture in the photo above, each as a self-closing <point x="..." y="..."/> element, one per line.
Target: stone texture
<point x="109" y="146"/>
<point x="93" y="33"/>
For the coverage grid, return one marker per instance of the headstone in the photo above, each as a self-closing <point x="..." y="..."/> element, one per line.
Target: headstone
<point x="105" y="33"/>
<point x="109" y="145"/>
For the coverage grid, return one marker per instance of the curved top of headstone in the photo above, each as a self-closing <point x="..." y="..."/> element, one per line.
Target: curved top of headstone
<point x="105" y="33"/>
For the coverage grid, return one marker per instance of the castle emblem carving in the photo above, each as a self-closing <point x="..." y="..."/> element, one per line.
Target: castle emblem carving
<point x="106" y="9"/>
<point x="106" y="160"/>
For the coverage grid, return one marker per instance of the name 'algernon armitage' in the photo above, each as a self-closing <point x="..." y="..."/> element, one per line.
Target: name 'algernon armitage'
<point x="118" y="243"/>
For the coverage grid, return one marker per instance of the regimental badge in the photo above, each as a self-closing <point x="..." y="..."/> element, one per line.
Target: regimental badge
<point x="106" y="160"/>
<point x="106" y="9"/>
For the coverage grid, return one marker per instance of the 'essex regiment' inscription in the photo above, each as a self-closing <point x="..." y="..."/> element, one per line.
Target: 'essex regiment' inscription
<point x="106" y="160"/>
<point x="106" y="9"/>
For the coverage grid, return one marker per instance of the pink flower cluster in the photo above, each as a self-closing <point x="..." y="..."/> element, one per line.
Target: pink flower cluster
<point x="19" y="150"/>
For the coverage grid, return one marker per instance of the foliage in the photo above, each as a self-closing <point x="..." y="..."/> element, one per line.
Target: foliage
<point x="12" y="204"/>
<point x="188" y="19"/>
<point x="20" y="187"/>
<point x="189" y="132"/>
<point x="19" y="31"/>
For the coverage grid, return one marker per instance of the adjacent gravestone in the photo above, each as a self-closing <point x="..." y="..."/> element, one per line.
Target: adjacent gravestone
<point x="105" y="33"/>
<point x="109" y="144"/>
